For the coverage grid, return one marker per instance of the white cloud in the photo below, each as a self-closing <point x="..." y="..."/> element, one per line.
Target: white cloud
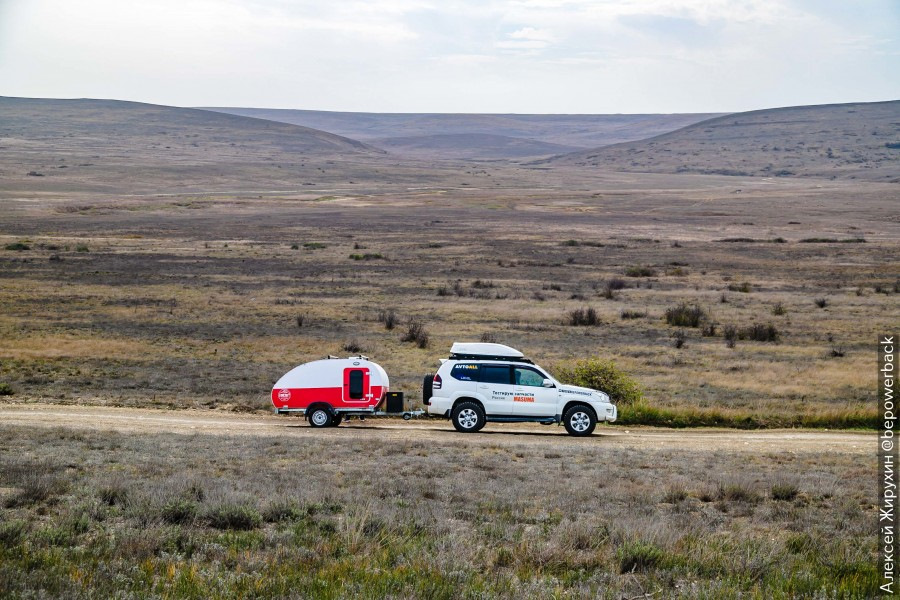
<point x="454" y="55"/>
<point x="530" y="33"/>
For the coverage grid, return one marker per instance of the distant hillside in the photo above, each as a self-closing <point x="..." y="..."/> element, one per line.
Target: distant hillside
<point x="860" y="140"/>
<point x="469" y="146"/>
<point x="95" y="144"/>
<point x="567" y="131"/>
<point x="118" y="122"/>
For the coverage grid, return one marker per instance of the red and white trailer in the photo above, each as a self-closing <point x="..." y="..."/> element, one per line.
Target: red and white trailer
<point x="329" y="390"/>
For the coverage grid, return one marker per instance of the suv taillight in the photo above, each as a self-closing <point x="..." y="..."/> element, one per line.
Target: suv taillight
<point x="436" y="384"/>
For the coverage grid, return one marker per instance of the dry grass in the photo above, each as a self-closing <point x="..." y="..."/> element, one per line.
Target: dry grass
<point x="209" y="318"/>
<point x="235" y="515"/>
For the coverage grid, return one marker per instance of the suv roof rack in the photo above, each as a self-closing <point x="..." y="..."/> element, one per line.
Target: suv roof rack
<point x="518" y="359"/>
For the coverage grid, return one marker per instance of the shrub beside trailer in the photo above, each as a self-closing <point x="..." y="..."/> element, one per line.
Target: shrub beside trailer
<point x="329" y="390"/>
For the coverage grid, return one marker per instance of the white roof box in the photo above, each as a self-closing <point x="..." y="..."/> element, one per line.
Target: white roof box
<point x="483" y="349"/>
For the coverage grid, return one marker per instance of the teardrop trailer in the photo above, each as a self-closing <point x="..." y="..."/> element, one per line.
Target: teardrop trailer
<point x="328" y="391"/>
<point x="477" y="384"/>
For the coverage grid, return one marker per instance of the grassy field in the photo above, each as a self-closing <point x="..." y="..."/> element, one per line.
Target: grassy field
<point x="153" y="257"/>
<point x="348" y="513"/>
<point x="207" y="300"/>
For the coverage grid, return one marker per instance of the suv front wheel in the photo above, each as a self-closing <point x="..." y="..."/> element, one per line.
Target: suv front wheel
<point x="468" y="417"/>
<point x="580" y="421"/>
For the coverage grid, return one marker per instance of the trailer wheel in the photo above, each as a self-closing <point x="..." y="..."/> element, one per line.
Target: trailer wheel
<point x="407" y="416"/>
<point x="320" y="417"/>
<point x="468" y="417"/>
<point x="580" y="421"/>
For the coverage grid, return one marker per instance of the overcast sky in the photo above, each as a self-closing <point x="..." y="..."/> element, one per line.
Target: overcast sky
<point x="525" y="56"/>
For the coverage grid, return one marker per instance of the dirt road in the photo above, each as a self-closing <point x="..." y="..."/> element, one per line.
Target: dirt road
<point x="129" y="420"/>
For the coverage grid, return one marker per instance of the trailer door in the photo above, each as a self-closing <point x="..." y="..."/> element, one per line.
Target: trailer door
<point x="356" y="385"/>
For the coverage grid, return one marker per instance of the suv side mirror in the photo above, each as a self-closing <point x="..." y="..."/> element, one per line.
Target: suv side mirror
<point x="548" y="383"/>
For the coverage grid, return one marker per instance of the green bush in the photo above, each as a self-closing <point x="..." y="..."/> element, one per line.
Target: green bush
<point x="6" y="389"/>
<point x="603" y="375"/>
<point x="18" y="246"/>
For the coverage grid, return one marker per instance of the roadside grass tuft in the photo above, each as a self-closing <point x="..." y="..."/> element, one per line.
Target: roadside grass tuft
<point x="179" y="511"/>
<point x="282" y="509"/>
<point x="36" y="486"/>
<point x="675" y="493"/>
<point x="642" y="413"/>
<point x="784" y="491"/>
<point x="388" y="318"/>
<point x="416" y="333"/>
<point x="114" y="492"/>
<point x="640" y="271"/>
<point x="744" y="288"/>
<point x="227" y="515"/>
<point x="737" y="492"/>
<point x="685" y="315"/>
<point x="11" y="532"/>
<point x="633" y="314"/>
<point x="638" y="556"/>
<point x="583" y="317"/>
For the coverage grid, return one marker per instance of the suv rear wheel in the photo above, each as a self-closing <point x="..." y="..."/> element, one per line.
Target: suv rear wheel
<point x="580" y="420"/>
<point x="468" y="417"/>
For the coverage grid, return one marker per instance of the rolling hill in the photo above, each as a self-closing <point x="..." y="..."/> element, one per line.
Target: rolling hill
<point x="103" y="144"/>
<point x="860" y="140"/>
<point x="454" y="136"/>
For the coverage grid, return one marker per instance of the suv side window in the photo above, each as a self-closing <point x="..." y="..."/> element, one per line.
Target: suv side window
<point x="464" y="372"/>
<point x="494" y="374"/>
<point x="528" y="377"/>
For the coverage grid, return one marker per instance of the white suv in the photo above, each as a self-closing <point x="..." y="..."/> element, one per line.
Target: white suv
<point x="496" y="383"/>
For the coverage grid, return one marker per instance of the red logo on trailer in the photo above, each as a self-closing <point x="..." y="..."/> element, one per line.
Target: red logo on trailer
<point x="284" y="395"/>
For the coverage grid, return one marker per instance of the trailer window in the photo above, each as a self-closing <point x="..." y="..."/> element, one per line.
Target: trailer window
<point x="356" y="384"/>
<point x="494" y="374"/>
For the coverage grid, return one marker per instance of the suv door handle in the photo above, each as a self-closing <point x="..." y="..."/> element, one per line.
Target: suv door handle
<point x="484" y="387"/>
